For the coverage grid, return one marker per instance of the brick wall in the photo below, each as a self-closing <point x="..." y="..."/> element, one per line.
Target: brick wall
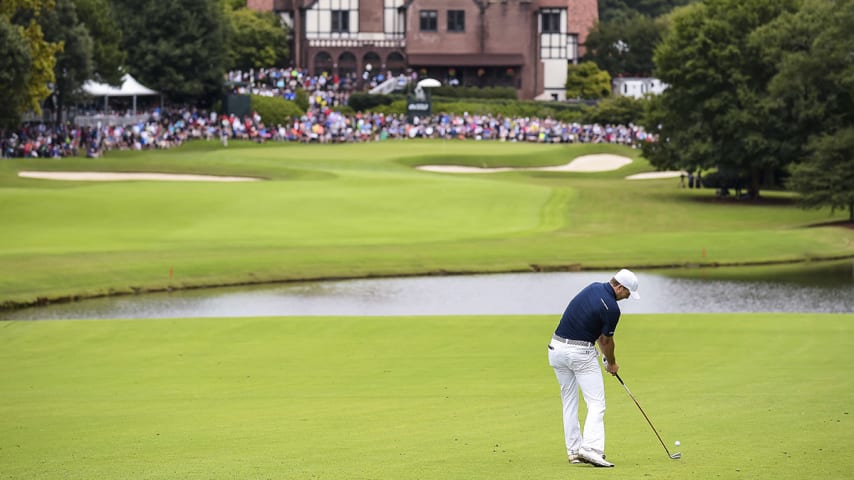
<point x="441" y="40"/>
<point x="260" y="5"/>
<point x="583" y="14"/>
<point x="371" y="16"/>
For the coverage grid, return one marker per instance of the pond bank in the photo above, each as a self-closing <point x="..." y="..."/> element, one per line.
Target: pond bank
<point x="707" y="272"/>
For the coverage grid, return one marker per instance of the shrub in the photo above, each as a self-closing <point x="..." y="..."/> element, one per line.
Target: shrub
<point x="302" y="99"/>
<point x="566" y="112"/>
<point x="395" y="107"/>
<point x="365" y="102"/>
<point x="512" y="108"/>
<point x="586" y="80"/>
<point x="616" y="110"/>
<point x="275" y="110"/>
<point x="474" y="92"/>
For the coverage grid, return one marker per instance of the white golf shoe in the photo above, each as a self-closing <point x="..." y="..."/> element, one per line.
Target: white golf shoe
<point x="575" y="458"/>
<point x="594" y="458"/>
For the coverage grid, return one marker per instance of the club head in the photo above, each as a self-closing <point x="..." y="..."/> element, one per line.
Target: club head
<point x="675" y="456"/>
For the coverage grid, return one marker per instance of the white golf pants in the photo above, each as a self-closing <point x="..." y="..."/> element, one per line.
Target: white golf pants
<point x="578" y="367"/>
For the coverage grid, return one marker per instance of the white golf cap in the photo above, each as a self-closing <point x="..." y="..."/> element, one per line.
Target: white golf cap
<point x="629" y="280"/>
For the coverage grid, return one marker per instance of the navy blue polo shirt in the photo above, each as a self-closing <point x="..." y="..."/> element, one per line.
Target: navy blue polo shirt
<point x="591" y="313"/>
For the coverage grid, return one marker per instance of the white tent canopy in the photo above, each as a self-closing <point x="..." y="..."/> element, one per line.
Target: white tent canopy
<point x="129" y="88"/>
<point x="429" y="83"/>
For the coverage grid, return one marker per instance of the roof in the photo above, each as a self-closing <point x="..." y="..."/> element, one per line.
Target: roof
<point x="130" y="87"/>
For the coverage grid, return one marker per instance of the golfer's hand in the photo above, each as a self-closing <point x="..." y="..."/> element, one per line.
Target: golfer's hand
<point x="611" y="368"/>
<point x="608" y="366"/>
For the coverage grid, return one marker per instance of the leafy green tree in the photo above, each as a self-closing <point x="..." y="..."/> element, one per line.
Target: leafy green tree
<point x="814" y="92"/>
<point x="256" y="40"/>
<point x="234" y="4"/>
<point x="74" y="63"/>
<point x="826" y="177"/>
<point x="660" y="153"/>
<point x="177" y="48"/>
<point x="625" y="46"/>
<point x="587" y="81"/>
<point x="716" y="113"/>
<point x="26" y="59"/>
<point x="15" y="61"/>
<point x="617" y="110"/>
<point x="107" y="53"/>
<point x="615" y="10"/>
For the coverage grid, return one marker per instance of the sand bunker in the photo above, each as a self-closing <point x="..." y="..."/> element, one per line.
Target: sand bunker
<point x="115" y="176"/>
<point x="587" y="163"/>
<point x="655" y="175"/>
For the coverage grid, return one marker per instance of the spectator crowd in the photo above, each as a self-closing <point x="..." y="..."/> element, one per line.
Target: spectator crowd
<point x="166" y="130"/>
<point x="160" y="129"/>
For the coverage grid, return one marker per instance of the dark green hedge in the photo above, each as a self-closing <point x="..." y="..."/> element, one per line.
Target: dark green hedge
<point x="474" y="92"/>
<point x="615" y="110"/>
<point x="568" y="112"/>
<point x="365" y="102"/>
<point x="512" y="109"/>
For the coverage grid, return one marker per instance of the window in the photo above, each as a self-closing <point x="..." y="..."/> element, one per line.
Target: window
<point x="551" y="21"/>
<point x="340" y="21"/>
<point x="456" y="21"/>
<point x="555" y="42"/>
<point x="322" y="63"/>
<point x="394" y="20"/>
<point x="572" y="47"/>
<point x="428" y="20"/>
<point x="346" y="64"/>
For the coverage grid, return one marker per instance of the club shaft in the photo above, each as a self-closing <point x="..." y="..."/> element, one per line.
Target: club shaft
<point x="644" y="415"/>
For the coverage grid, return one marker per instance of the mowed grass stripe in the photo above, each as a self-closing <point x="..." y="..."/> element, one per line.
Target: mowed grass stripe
<point x="749" y="396"/>
<point x="146" y="215"/>
<point x="360" y="210"/>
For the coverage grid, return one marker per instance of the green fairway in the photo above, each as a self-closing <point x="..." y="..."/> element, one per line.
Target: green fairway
<point x="749" y="396"/>
<point x="328" y="211"/>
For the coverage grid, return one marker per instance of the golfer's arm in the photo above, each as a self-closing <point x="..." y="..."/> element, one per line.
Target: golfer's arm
<point x="606" y="346"/>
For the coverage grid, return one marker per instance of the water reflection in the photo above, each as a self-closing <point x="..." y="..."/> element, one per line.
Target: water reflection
<point x="498" y="294"/>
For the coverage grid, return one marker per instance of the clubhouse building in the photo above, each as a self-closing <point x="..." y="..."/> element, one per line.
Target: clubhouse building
<point x="525" y="44"/>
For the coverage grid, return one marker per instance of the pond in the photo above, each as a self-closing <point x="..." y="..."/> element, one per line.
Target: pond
<point x="827" y="290"/>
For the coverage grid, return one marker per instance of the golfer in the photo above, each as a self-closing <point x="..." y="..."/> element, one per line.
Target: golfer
<point x="591" y="317"/>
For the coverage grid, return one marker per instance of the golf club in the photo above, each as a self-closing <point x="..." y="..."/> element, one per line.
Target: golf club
<point x="673" y="456"/>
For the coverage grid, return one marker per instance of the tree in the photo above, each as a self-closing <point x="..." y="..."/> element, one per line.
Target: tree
<point x="27" y="59"/>
<point x="617" y="110"/>
<point x="234" y="4"/>
<point x="825" y="179"/>
<point x="617" y="10"/>
<point x="625" y="46"/>
<point x="177" y="48"/>
<point x="74" y="63"/>
<point x="107" y="54"/>
<point x="814" y="90"/>
<point x="256" y="40"/>
<point x="586" y="81"/>
<point x="715" y="112"/>
<point x="15" y="61"/>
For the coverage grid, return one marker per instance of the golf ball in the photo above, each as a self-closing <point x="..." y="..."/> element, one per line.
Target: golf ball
<point x="677" y="443"/>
